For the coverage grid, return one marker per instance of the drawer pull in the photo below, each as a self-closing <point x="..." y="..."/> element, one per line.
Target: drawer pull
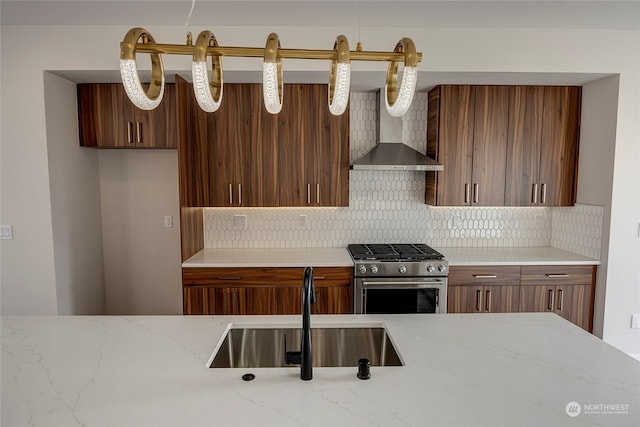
<point x="485" y="276"/>
<point x="229" y="278"/>
<point x="487" y="302"/>
<point x="556" y="275"/>
<point x="561" y="299"/>
<point x="478" y="299"/>
<point x="550" y="301"/>
<point x="319" y="278"/>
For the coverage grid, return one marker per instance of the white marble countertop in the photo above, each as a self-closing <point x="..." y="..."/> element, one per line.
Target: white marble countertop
<point x="542" y="255"/>
<point x="460" y="370"/>
<point x="339" y="257"/>
<point x="271" y="257"/>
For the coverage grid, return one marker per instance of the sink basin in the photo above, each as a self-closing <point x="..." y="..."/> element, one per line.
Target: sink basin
<point x="264" y="347"/>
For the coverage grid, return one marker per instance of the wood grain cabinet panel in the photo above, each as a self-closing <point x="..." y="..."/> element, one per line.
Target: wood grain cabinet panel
<point x="264" y="290"/>
<point x="483" y="289"/>
<point x="108" y="119"/>
<point x="565" y="290"/>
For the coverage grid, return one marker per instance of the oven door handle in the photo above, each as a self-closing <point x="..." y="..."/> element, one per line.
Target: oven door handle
<point x="403" y="285"/>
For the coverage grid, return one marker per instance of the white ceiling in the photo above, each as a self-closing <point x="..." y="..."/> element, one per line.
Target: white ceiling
<point x="609" y="14"/>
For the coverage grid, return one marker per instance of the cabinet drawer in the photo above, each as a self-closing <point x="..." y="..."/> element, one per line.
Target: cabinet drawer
<point x="557" y="274"/>
<point x="490" y="275"/>
<point x="323" y="276"/>
<point x="228" y="276"/>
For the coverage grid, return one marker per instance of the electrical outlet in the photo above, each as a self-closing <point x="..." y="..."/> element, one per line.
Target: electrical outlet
<point x="6" y="232"/>
<point x="239" y="221"/>
<point x="635" y="321"/>
<point x="302" y="221"/>
<point x="457" y="222"/>
<point x="168" y="221"/>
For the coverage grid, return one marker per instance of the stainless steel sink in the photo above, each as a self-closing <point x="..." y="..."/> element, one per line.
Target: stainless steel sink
<point x="264" y="347"/>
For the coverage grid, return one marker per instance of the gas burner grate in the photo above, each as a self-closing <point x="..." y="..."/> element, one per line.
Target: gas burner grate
<point x="393" y="252"/>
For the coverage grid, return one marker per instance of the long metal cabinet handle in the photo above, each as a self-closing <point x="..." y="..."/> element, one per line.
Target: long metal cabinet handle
<point x="229" y="278"/>
<point x="543" y="196"/>
<point x="484" y="276"/>
<point x="139" y="132"/>
<point x="129" y="137"/>
<point x="534" y="194"/>
<point x="308" y="194"/>
<point x="560" y="299"/>
<point x="475" y="193"/>
<point x="557" y="275"/>
<point x="487" y="302"/>
<point x="317" y="194"/>
<point x="230" y="194"/>
<point x="478" y="299"/>
<point x="466" y="193"/>
<point x="239" y="194"/>
<point x="550" y="300"/>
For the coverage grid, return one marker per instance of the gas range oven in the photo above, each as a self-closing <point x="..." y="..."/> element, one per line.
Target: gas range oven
<point x="399" y="278"/>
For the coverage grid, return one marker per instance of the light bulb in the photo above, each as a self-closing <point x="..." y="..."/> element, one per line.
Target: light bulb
<point x="135" y="92"/>
<point x="270" y="87"/>
<point x="202" y="89"/>
<point x="405" y="93"/>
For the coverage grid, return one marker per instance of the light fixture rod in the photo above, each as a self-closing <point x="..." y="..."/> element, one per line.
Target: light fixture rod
<point x="258" y="52"/>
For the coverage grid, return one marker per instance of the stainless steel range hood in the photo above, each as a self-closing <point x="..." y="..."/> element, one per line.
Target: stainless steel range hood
<point x="390" y="153"/>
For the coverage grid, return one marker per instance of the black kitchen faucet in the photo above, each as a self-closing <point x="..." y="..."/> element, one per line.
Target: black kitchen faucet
<point x="304" y="357"/>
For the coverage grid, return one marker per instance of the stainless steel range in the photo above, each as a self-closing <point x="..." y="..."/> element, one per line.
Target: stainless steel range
<point x="399" y="278"/>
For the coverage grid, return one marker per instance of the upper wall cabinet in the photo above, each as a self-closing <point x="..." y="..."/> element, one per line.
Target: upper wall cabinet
<point x="243" y="156"/>
<point x="107" y="119"/>
<point x="503" y="145"/>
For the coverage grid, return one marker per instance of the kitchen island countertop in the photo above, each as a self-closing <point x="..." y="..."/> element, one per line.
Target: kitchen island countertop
<point x="460" y="370"/>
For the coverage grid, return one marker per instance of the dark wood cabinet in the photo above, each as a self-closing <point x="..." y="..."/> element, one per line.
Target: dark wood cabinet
<point x="264" y="290"/>
<point x="107" y="119"/>
<point x="313" y="149"/>
<point x="467" y="133"/>
<point x="243" y="156"/>
<point x="565" y="290"/>
<point x="483" y="289"/>
<point x="542" y="151"/>
<point x="503" y="145"/>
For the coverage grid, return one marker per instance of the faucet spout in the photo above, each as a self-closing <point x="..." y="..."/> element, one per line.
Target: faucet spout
<point x="308" y="298"/>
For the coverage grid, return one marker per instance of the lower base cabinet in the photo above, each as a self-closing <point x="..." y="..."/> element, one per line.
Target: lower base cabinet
<point x="567" y="290"/>
<point x="264" y="291"/>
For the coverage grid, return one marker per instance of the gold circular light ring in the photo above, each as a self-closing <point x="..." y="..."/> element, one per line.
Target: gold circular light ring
<point x="205" y="40"/>
<point x="407" y="47"/>
<point x="271" y="56"/>
<point x="128" y="52"/>
<point x="343" y="56"/>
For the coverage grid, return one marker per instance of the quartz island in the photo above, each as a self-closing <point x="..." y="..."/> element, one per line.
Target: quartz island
<point x="520" y="369"/>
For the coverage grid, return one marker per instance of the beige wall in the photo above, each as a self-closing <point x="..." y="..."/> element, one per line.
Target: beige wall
<point x="141" y="256"/>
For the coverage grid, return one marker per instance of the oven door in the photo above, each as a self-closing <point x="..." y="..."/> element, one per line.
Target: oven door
<point x="401" y="295"/>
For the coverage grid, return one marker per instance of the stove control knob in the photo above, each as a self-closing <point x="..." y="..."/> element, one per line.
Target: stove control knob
<point x="402" y="269"/>
<point x="363" y="269"/>
<point x="374" y="269"/>
<point x="430" y="268"/>
<point x="442" y="268"/>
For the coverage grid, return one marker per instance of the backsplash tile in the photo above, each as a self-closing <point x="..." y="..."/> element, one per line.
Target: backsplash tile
<point x="388" y="207"/>
<point x="578" y="229"/>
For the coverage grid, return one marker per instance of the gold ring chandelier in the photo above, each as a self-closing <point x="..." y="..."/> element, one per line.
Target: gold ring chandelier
<point x="208" y="86"/>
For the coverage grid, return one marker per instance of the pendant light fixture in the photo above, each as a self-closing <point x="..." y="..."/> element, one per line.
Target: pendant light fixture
<point x="208" y="92"/>
<point x="399" y="100"/>
<point x="272" y="84"/>
<point x="340" y="77"/>
<point x="129" y="71"/>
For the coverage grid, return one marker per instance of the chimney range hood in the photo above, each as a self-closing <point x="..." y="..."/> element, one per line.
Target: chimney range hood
<point x="390" y="153"/>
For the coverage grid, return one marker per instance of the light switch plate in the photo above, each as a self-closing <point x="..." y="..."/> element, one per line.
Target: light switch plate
<point x="302" y="221"/>
<point x="635" y="321"/>
<point x="239" y="221"/>
<point x="168" y="221"/>
<point x="6" y="232"/>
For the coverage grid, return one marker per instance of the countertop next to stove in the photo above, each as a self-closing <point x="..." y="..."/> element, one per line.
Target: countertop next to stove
<point x="339" y="257"/>
<point x="460" y="370"/>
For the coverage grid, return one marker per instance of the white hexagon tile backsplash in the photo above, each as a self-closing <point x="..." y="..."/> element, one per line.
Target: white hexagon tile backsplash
<point x="388" y="207"/>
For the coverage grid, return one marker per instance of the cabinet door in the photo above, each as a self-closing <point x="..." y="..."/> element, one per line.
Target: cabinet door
<point x="260" y="300"/>
<point x="465" y="299"/>
<point x="198" y="300"/>
<point x="230" y="301"/>
<point x="559" y="150"/>
<point x="101" y="119"/>
<point x="501" y="299"/>
<point x="455" y="145"/>
<point x="537" y="298"/>
<point x="154" y="128"/>
<point x="573" y="302"/>
<point x="490" y="145"/>
<point x="523" y="146"/>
